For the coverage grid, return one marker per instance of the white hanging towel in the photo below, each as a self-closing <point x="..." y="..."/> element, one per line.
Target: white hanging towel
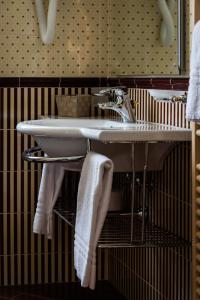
<point x="92" y="205"/>
<point x="50" y="185"/>
<point x="52" y="177"/>
<point x="193" y="99"/>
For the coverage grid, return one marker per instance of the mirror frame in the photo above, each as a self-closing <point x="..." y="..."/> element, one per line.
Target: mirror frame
<point x="181" y="37"/>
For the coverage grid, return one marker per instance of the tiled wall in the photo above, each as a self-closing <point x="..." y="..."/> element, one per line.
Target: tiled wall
<point x="27" y="258"/>
<point x="161" y="272"/>
<point x="93" y="38"/>
<point x="158" y="272"/>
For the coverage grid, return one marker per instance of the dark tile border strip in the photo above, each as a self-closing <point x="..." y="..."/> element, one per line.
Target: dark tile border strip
<point x="131" y="82"/>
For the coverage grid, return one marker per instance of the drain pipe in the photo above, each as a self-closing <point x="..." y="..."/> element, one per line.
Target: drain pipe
<point x="47" y="25"/>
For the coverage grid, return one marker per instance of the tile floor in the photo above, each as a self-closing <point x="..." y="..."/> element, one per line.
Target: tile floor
<point x="58" y="291"/>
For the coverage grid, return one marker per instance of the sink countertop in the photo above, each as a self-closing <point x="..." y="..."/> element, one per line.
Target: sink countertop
<point x="140" y="132"/>
<point x="104" y="130"/>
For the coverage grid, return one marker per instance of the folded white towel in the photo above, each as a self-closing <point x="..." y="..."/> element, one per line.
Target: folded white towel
<point x="52" y="176"/>
<point x="51" y="181"/>
<point x="193" y="99"/>
<point x="92" y="205"/>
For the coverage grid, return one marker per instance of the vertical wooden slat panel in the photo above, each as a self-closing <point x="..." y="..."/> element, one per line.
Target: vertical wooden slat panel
<point x="39" y="240"/>
<point x="5" y="127"/>
<point x="53" y="102"/>
<point x="195" y="210"/>
<point x="67" y="253"/>
<point x="25" y="192"/>
<point x="18" y="150"/>
<point x="59" y="252"/>
<point x="5" y="134"/>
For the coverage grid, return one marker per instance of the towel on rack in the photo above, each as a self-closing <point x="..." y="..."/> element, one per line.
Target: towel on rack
<point x="92" y="205"/>
<point x="193" y="98"/>
<point x="51" y="181"/>
<point x="52" y="176"/>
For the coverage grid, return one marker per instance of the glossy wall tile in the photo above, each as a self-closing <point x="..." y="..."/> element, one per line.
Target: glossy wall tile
<point x="27" y="259"/>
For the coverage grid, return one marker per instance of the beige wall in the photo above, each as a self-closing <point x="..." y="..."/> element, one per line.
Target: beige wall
<point x="135" y="46"/>
<point x="93" y="38"/>
<point x="196" y="10"/>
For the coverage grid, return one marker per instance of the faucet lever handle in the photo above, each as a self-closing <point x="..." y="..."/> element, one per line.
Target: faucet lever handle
<point x="120" y="89"/>
<point x="116" y="91"/>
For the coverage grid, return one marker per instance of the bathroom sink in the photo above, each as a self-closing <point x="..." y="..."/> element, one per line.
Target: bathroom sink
<point x="68" y="137"/>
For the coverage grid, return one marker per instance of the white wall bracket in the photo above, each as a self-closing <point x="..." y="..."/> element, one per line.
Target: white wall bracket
<point x="47" y="25"/>
<point x="167" y="29"/>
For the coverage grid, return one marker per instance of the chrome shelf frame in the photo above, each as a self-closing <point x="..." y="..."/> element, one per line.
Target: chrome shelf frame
<point x="121" y="230"/>
<point x="117" y="230"/>
<point x="29" y="155"/>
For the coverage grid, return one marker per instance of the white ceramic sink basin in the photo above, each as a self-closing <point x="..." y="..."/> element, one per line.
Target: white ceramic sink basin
<point x="67" y="137"/>
<point x="103" y="130"/>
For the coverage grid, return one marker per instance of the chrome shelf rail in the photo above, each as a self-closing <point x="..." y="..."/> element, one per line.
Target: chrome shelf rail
<point x="121" y="230"/>
<point x="117" y="230"/>
<point x="29" y="155"/>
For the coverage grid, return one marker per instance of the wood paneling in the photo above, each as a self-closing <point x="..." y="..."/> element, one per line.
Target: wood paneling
<point x="196" y="210"/>
<point x="197" y="10"/>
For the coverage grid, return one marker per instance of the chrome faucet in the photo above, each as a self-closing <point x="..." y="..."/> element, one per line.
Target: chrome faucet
<point x="119" y="101"/>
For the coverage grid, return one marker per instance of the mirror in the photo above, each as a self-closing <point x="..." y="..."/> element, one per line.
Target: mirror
<point x="136" y="44"/>
<point x="96" y="39"/>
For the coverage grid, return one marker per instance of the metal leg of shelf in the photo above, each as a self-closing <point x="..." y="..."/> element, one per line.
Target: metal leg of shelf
<point x="132" y="190"/>
<point x="88" y="145"/>
<point x="144" y="190"/>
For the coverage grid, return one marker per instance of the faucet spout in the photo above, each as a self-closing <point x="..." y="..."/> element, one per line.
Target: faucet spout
<point x="119" y="102"/>
<point x="130" y="111"/>
<point x="113" y="107"/>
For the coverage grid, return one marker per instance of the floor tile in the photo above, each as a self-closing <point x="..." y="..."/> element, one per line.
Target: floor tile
<point x="27" y="297"/>
<point x="9" y="292"/>
<point x="69" y="291"/>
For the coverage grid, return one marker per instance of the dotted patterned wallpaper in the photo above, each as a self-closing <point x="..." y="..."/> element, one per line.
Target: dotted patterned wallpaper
<point x="93" y="38"/>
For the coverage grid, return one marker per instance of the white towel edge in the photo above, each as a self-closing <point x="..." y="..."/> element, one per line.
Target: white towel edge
<point x="193" y="117"/>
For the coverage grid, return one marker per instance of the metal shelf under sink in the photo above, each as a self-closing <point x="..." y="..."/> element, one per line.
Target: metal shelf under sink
<point x="116" y="232"/>
<point x="123" y="230"/>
